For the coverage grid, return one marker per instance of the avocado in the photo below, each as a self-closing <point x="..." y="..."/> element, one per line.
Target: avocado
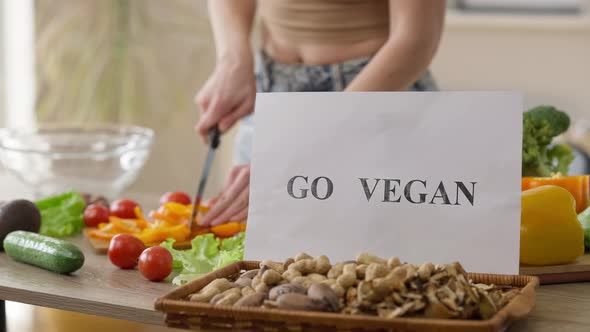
<point x="17" y="215"/>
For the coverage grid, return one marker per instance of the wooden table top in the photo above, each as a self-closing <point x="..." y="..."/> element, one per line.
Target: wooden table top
<point x="100" y="288"/>
<point x="562" y="307"/>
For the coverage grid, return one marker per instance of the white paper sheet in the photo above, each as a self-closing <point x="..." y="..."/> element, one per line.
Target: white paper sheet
<point x="430" y="137"/>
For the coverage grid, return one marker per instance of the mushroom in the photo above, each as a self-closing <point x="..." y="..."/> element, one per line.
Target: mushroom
<point x="277" y="291"/>
<point x="487" y="308"/>
<point x="397" y="312"/>
<point x="436" y="309"/>
<point x="324" y="293"/>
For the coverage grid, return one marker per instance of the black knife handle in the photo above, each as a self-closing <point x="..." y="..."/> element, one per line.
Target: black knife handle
<point x="214" y="135"/>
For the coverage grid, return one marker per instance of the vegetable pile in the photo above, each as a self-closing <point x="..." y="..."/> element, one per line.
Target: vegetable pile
<point x="169" y="221"/>
<point x="550" y="233"/>
<point x="369" y="285"/>
<point x="21" y="220"/>
<point x="126" y="251"/>
<point x="130" y="234"/>
<point x="156" y="263"/>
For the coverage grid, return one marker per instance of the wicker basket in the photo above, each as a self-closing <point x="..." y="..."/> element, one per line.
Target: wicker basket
<point x="202" y="316"/>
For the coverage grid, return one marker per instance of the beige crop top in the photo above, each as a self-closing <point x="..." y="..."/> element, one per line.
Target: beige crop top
<point x="325" y="20"/>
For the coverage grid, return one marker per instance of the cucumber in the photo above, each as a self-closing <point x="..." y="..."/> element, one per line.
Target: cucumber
<point x="43" y="251"/>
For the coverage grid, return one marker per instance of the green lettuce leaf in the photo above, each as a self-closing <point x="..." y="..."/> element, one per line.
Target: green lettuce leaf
<point x="232" y="250"/>
<point x="207" y="253"/>
<point x="228" y="257"/>
<point x="233" y="242"/>
<point x="62" y="215"/>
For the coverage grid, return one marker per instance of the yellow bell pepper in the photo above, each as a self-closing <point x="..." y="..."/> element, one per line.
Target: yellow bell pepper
<point x="550" y="232"/>
<point x="577" y="185"/>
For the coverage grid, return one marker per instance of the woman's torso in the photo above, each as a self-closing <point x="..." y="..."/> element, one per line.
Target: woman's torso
<point x="323" y="31"/>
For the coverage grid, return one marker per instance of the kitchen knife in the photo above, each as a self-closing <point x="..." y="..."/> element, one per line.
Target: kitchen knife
<point x="213" y="144"/>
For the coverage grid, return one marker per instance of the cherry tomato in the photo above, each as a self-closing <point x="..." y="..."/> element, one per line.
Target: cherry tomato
<point x="155" y="263"/>
<point x="95" y="214"/>
<point x="177" y="197"/>
<point x="124" y="208"/>
<point x="124" y="250"/>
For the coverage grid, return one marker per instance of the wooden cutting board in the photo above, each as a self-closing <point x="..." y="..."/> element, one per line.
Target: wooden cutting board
<point x="577" y="271"/>
<point x="102" y="246"/>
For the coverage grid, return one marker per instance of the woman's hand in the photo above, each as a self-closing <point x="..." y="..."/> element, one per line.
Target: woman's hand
<point x="227" y="96"/>
<point x="232" y="204"/>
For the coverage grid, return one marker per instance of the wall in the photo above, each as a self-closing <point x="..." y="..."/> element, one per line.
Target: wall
<point x="545" y="57"/>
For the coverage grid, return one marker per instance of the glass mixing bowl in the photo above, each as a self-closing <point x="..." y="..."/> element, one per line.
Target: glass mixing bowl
<point x="97" y="159"/>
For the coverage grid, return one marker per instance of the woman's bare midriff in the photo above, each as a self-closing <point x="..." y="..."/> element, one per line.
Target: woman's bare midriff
<point x="320" y="52"/>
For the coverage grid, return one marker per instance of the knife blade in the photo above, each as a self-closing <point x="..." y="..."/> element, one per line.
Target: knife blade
<point x="214" y="140"/>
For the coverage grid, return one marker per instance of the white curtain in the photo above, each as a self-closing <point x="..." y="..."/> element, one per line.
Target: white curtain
<point x="17" y="78"/>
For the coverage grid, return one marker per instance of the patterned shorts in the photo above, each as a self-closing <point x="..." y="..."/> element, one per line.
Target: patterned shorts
<point x="272" y="76"/>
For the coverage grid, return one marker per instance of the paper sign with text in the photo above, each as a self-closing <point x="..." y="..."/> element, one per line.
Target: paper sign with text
<point x="425" y="176"/>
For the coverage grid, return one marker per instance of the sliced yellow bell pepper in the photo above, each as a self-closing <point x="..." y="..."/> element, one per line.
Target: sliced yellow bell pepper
<point x="141" y="221"/>
<point x="128" y="225"/>
<point x="157" y="216"/>
<point x="152" y="235"/>
<point x="550" y="232"/>
<point x="170" y="220"/>
<point x="178" y="210"/>
<point x="227" y="230"/>
<point x="101" y="235"/>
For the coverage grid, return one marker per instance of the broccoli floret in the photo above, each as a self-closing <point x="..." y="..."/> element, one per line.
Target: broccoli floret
<point x="540" y="125"/>
<point x="560" y="156"/>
